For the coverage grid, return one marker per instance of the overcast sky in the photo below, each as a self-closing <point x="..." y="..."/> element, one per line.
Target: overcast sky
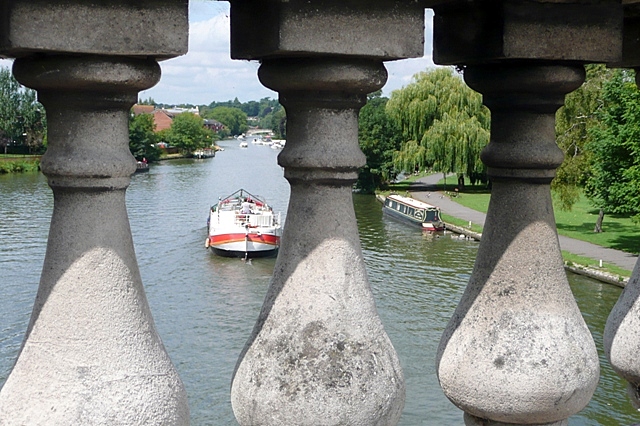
<point x="207" y="73"/>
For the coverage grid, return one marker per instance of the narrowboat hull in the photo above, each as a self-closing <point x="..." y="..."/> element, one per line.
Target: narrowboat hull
<point x="413" y="212"/>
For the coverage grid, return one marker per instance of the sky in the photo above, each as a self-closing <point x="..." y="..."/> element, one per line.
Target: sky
<point x="207" y="73"/>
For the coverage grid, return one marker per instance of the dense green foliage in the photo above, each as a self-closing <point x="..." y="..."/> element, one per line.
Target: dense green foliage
<point x="142" y="138"/>
<point x="573" y="123"/>
<point x="276" y="121"/>
<point x="266" y="114"/>
<point x="19" y="165"/>
<point x="379" y="138"/>
<point x="188" y="133"/>
<point x="613" y="183"/>
<point x="443" y="123"/>
<point x="22" y="118"/>
<point x="233" y="118"/>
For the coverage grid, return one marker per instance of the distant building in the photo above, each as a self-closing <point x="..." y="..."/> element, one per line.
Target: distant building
<point x="162" y="119"/>
<point x="214" y="125"/>
<point x="142" y="109"/>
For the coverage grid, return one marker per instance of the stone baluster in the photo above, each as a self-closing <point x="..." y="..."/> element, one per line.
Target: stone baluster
<point x="621" y="343"/>
<point x="318" y="354"/>
<point x="91" y="354"/>
<point x="517" y="350"/>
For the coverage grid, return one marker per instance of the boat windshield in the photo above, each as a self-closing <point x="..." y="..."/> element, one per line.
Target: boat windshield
<point x="432" y="216"/>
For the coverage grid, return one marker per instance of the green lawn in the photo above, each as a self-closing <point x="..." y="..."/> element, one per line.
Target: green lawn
<point x="619" y="232"/>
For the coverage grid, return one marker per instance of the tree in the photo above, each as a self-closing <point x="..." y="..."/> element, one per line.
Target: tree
<point x="573" y="123"/>
<point x="142" y="138"/>
<point x="613" y="184"/>
<point x="148" y="101"/>
<point x="443" y="123"/>
<point x="188" y="133"/>
<point x="379" y="138"/>
<point x="276" y="121"/>
<point x="22" y="118"/>
<point x="233" y="118"/>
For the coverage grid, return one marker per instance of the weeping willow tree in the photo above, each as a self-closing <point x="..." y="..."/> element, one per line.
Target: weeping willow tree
<point x="443" y="122"/>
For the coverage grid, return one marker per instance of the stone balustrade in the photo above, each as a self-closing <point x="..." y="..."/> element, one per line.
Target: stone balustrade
<point x="516" y="350"/>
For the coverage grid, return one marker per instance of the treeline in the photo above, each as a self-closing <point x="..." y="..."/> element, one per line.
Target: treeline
<point x="437" y="123"/>
<point x="237" y="116"/>
<point x="23" y="125"/>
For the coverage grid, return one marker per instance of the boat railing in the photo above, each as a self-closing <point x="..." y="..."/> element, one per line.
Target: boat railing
<point x="261" y="220"/>
<point x="254" y="220"/>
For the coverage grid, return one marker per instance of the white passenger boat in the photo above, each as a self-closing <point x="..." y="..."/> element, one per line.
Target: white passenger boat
<point x="414" y="212"/>
<point x="244" y="145"/>
<point x="204" y="153"/>
<point x="243" y="225"/>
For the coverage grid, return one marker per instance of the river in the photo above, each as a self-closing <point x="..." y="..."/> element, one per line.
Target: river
<point x="205" y="306"/>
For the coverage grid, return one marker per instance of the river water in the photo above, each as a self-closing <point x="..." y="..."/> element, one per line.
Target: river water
<point x="205" y="306"/>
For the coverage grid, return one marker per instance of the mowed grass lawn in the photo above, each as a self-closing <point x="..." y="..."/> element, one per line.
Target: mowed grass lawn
<point x="619" y="232"/>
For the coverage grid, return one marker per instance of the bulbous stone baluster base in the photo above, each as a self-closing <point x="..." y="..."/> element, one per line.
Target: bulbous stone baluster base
<point x="621" y="344"/>
<point x="470" y="420"/>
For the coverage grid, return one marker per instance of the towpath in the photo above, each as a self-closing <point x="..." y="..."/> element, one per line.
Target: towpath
<point x="425" y="189"/>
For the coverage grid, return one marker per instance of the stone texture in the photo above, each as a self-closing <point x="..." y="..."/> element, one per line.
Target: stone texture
<point x="630" y="37"/>
<point x="385" y="29"/>
<point x="319" y="354"/>
<point x="91" y="355"/>
<point x="621" y="344"/>
<point x="487" y="31"/>
<point x="157" y="28"/>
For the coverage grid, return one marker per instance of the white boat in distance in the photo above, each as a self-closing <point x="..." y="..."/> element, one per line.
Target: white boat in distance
<point x="243" y="225"/>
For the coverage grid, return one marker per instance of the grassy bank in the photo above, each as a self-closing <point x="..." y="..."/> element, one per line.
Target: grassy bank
<point x="619" y="232"/>
<point x="19" y="164"/>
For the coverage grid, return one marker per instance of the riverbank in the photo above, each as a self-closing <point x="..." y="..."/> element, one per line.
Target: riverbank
<point x="19" y="163"/>
<point x="573" y="263"/>
<point x="180" y="156"/>
<point x="570" y="265"/>
<point x="601" y="263"/>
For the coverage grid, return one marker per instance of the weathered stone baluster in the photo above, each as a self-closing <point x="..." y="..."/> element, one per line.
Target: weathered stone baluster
<point x="91" y="354"/>
<point x="517" y="350"/>
<point x="318" y="354"/>
<point x="621" y="343"/>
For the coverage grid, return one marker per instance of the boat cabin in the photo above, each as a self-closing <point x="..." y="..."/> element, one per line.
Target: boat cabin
<point x="414" y="211"/>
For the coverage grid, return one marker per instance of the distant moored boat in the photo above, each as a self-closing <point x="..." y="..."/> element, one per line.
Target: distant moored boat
<point x="414" y="212"/>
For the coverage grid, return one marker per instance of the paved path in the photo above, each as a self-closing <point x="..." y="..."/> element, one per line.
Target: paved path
<point x="424" y="189"/>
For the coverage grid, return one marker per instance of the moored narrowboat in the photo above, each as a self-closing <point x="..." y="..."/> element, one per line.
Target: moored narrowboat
<point x="413" y="211"/>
